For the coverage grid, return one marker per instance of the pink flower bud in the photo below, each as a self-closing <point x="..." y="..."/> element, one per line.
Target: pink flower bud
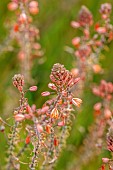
<point x="33" y="4"/>
<point x="33" y="107"/>
<point x="28" y="116"/>
<point x="105" y="160"/>
<point x="86" y="33"/>
<point x="19" y="117"/>
<point x="75" y="72"/>
<point x="101" y="30"/>
<point x="97" y="68"/>
<point x="62" y="123"/>
<point x="12" y="6"/>
<point x="20" y="88"/>
<point x="77" y="80"/>
<point x="44" y="109"/>
<point x="33" y="88"/>
<point x="76" y="41"/>
<point x="39" y="128"/>
<point x="22" y="17"/>
<point x="52" y="86"/>
<point x="75" y="24"/>
<point x="33" y="7"/>
<point x="2" y="128"/>
<point x="45" y="93"/>
<point x="107" y="113"/>
<point x="34" y="10"/>
<point x="77" y="102"/>
<point x="28" y="109"/>
<point x="97" y="106"/>
<point x="21" y="55"/>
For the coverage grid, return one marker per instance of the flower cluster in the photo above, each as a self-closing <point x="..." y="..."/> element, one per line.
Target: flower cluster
<point x="103" y="121"/>
<point x="50" y="124"/>
<point x="89" y="46"/>
<point x="25" y="33"/>
<point x="46" y="129"/>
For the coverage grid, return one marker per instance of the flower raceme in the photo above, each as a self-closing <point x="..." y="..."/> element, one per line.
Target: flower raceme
<point x="49" y="122"/>
<point x="25" y="33"/>
<point x="89" y="46"/>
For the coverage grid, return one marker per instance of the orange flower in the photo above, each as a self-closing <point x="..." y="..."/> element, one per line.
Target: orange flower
<point x="48" y="129"/>
<point x="27" y="141"/>
<point x="77" y="102"/>
<point x="56" y="141"/>
<point x="54" y="114"/>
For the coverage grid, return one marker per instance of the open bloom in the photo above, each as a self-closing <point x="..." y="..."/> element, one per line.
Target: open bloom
<point x="54" y="114"/>
<point x="77" y="102"/>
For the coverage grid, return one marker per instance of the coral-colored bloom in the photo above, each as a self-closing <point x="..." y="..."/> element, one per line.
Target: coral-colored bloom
<point x="77" y="102"/>
<point x="39" y="128"/>
<point x="56" y="142"/>
<point x="28" y="139"/>
<point x="62" y="123"/>
<point x="48" y="129"/>
<point x="105" y="160"/>
<point x="54" y="114"/>
<point x="12" y="6"/>
<point x="76" y="41"/>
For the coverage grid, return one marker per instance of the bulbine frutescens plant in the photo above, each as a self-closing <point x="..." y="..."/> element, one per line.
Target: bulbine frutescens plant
<point x="25" y="33"/>
<point x="104" y="116"/>
<point x="46" y="129"/>
<point x="41" y="133"/>
<point x="94" y="39"/>
<point x="88" y="49"/>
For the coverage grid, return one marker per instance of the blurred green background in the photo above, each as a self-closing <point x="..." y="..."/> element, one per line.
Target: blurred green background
<point x="56" y="33"/>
